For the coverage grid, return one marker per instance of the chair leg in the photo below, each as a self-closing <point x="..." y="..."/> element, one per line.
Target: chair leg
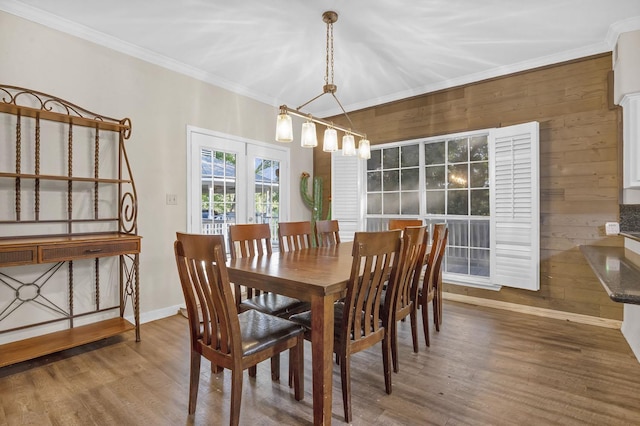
<point x="425" y="322"/>
<point x="345" y="375"/>
<point x="253" y="371"/>
<point x="216" y="369"/>
<point x="394" y="346"/>
<point x="436" y="309"/>
<point x="194" y="381"/>
<point x="386" y="361"/>
<point x="297" y="355"/>
<point x="236" y="396"/>
<point x="275" y="368"/>
<point x="414" y="327"/>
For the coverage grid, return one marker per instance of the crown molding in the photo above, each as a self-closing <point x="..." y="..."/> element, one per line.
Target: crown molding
<point x="617" y="28"/>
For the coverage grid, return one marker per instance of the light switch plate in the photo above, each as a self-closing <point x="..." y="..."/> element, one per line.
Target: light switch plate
<point x="172" y="199"/>
<point x="612" y="228"/>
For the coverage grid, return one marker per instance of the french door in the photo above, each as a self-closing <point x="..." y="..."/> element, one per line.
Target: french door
<point x="234" y="180"/>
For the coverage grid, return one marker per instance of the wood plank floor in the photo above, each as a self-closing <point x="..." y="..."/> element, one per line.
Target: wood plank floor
<point x="485" y="367"/>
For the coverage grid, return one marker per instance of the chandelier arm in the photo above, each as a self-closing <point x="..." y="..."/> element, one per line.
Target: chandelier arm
<point x="321" y="121"/>
<point x="308" y="102"/>
<point x="342" y="108"/>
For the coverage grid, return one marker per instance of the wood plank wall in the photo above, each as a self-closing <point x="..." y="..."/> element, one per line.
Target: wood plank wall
<point x="580" y="164"/>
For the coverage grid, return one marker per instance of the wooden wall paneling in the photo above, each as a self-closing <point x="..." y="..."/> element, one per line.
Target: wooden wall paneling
<point x="580" y="164"/>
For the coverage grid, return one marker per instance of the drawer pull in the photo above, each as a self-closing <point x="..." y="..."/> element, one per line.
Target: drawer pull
<point x="96" y="250"/>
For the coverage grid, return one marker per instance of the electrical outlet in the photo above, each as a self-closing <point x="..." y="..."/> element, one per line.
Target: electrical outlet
<point x="612" y="228"/>
<point x="172" y="199"/>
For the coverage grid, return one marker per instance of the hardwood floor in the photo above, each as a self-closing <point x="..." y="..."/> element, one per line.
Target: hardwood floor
<point x="485" y="367"/>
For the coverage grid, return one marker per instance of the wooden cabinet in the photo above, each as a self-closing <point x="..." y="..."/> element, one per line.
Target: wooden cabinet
<point x="67" y="197"/>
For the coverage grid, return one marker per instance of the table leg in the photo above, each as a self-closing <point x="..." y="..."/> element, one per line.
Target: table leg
<point x="322" y="358"/>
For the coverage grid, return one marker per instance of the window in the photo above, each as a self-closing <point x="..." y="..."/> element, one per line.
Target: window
<point x="482" y="184"/>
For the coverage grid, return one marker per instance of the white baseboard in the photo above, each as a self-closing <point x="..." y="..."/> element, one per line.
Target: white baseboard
<point x="532" y="310"/>
<point x="157" y="314"/>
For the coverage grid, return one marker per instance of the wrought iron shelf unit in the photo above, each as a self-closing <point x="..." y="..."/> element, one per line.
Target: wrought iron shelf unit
<point x="36" y="124"/>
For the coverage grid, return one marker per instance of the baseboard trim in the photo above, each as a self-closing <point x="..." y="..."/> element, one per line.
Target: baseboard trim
<point x="532" y="310"/>
<point x="157" y="314"/>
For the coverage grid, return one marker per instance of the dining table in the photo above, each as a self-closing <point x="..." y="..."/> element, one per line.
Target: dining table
<point x="318" y="275"/>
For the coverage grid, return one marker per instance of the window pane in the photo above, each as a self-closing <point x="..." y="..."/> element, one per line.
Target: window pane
<point x="374" y="203"/>
<point x="435" y="202"/>
<point x="391" y="158"/>
<point x="458" y="202"/>
<point x="479" y="175"/>
<point x="479" y="148"/>
<point x="458" y="260"/>
<point x="435" y="177"/>
<point x="479" y="262"/>
<point x="374" y="181"/>
<point x="480" y="202"/>
<point x="458" y="233"/>
<point x="410" y="203"/>
<point x="391" y="180"/>
<point x="410" y="155"/>
<point x="391" y="203"/>
<point x="458" y="150"/>
<point x="458" y="176"/>
<point x="434" y="153"/>
<point x="410" y="179"/>
<point x="479" y="233"/>
<point x="375" y="162"/>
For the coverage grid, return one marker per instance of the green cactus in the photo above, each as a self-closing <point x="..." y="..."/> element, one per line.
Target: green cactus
<point x="313" y="200"/>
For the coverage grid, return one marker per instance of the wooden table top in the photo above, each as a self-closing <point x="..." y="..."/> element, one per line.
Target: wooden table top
<point x="318" y="270"/>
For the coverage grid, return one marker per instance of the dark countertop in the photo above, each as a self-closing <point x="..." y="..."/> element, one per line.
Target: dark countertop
<point x="632" y="235"/>
<point x="619" y="277"/>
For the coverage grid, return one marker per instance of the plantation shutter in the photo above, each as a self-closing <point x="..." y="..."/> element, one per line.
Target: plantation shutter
<point x="515" y="211"/>
<point x="346" y="194"/>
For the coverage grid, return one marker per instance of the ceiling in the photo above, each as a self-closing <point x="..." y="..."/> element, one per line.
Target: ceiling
<point x="274" y="51"/>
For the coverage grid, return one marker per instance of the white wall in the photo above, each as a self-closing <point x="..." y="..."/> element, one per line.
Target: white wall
<point x="160" y="104"/>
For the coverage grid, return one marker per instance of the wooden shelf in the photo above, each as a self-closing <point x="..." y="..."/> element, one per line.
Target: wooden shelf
<point x="63" y="178"/>
<point x="34" y="347"/>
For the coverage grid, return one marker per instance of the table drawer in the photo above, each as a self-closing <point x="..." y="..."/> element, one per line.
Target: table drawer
<point x="12" y="256"/>
<point x="63" y="252"/>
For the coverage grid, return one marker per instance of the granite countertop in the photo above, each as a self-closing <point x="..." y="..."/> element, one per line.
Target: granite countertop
<point x="619" y="277"/>
<point x="632" y="235"/>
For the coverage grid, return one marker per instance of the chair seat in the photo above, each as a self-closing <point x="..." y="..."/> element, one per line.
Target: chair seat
<point x="304" y="318"/>
<point x="260" y="331"/>
<point x="274" y="304"/>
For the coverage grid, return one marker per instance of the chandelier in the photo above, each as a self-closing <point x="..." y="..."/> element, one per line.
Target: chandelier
<point x="309" y="139"/>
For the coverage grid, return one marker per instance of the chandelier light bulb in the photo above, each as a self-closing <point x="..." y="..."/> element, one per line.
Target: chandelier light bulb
<point x="330" y="143"/>
<point x="364" y="149"/>
<point x="309" y="138"/>
<point x="348" y="145"/>
<point x="284" y="128"/>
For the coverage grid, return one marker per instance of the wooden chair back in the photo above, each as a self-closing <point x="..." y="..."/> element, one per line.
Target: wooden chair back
<point x="327" y="232"/>
<point x="403" y="223"/>
<point x="376" y="256"/>
<point x="249" y="240"/>
<point x="294" y="236"/>
<point x="211" y="309"/>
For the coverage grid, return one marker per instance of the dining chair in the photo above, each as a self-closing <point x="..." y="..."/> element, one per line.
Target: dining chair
<point x="293" y="236"/>
<point x="327" y="232"/>
<point x="401" y="294"/>
<point x="431" y="289"/>
<point x="231" y="340"/>
<point x="358" y="321"/>
<point x="403" y="223"/>
<point x="250" y="240"/>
